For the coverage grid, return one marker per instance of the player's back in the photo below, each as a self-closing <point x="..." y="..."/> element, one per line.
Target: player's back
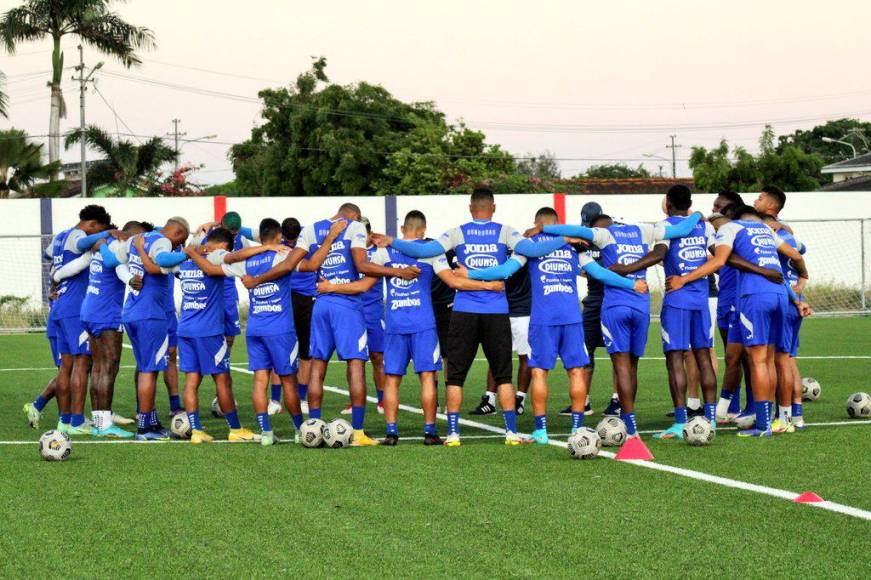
<point x="374" y="296"/>
<point x="202" y="301"/>
<point x="553" y="279"/>
<point x="150" y="301"/>
<point x="104" y="298"/>
<point x="480" y="244"/>
<point x="623" y="244"/>
<point x="755" y="242"/>
<point x="338" y="267"/>
<point x="270" y="310"/>
<point x="409" y="302"/>
<point x="70" y="291"/>
<point x="790" y="273"/>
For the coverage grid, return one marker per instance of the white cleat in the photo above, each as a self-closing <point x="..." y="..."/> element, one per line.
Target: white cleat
<point x="119" y="420"/>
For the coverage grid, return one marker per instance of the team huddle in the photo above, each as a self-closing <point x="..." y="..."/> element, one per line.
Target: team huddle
<point x="336" y="288"/>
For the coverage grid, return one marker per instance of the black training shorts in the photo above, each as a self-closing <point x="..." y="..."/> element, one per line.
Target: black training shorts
<point x="468" y="330"/>
<point x="302" y="320"/>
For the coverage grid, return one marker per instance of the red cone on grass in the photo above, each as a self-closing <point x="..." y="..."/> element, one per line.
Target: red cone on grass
<point x="808" y="497"/>
<point x="634" y="450"/>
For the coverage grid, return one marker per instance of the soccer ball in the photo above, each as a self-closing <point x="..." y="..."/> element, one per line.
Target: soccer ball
<point x="337" y="433"/>
<point x="216" y="408"/>
<point x="180" y="426"/>
<point x="859" y="406"/>
<point x="612" y="431"/>
<point x="810" y="389"/>
<point x="311" y="433"/>
<point x="584" y="443"/>
<point x="55" y="446"/>
<point x="698" y="431"/>
<point x="273" y="408"/>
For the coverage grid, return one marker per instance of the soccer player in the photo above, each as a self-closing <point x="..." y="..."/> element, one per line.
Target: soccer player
<point x="761" y="305"/>
<point x="625" y="313"/>
<point x="72" y="339"/>
<point x="479" y="318"/>
<point x="411" y="334"/>
<point x="556" y="328"/>
<point x="303" y="289"/>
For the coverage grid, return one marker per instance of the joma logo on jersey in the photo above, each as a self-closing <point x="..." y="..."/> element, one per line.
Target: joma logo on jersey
<point x="195" y="273"/>
<point x="481" y="248"/>
<point x="630" y="249"/>
<point x="480" y="261"/>
<point x="692" y="241"/>
<point x="692" y="254"/>
<point x="555" y="266"/>
<point x="265" y="290"/>
<point x="333" y="261"/>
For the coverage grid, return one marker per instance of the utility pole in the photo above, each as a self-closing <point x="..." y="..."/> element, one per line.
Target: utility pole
<point x="673" y="148"/>
<point x="83" y="81"/>
<point x="175" y="135"/>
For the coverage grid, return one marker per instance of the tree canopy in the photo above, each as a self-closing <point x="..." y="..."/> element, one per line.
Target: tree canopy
<point x="614" y="171"/>
<point x="22" y="168"/>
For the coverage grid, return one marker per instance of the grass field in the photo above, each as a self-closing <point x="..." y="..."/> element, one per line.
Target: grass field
<point x="481" y="510"/>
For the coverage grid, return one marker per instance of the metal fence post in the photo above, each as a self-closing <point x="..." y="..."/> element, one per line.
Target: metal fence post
<point x="864" y="268"/>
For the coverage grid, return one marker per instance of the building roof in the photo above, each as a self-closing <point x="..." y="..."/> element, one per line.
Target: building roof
<point x="856" y="164"/>
<point x="862" y="183"/>
<point x="635" y="185"/>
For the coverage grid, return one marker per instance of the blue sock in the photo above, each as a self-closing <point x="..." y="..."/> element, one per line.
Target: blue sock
<point x="392" y="429"/>
<point x="453" y="423"/>
<point x="577" y="420"/>
<point x="194" y="420"/>
<point x="735" y="401"/>
<point x="263" y="422"/>
<point x="763" y="419"/>
<point x="680" y="415"/>
<point x="39" y="402"/>
<point x="232" y="419"/>
<point x="629" y="420"/>
<point x="380" y="394"/>
<point x="711" y="412"/>
<point x="152" y="418"/>
<point x="429" y="429"/>
<point x="302" y="391"/>
<point x="726" y="394"/>
<point x="142" y="421"/>
<point x="174" y="402"/>
<point x="358" y="414"/>
<point x="65" y="418"/>
<point x="276" y="392"/>
<point x="540" y="422"/>
<point x="77" y="419"/>
<point x="797" y="410"/>
<point x="314" y="413"/>
<point x="297" y="421"/>
<point x="510" y="418"/>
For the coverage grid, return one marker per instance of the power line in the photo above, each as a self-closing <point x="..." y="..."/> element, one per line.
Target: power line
<point x="118" y="118"/>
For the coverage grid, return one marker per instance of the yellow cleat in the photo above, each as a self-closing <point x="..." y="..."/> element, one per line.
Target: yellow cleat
<point x="452" y="440"/>
<point x="362" y="440"/>
<point x="198" y="436"/>
<point x="779" y="426"/>
<point x="243" y="435"/>
<point x="512" y="439"/>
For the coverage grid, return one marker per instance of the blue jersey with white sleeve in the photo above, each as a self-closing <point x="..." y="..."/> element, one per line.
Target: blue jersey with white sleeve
<point x="755" y="242"/>
<point x="202" y="298"/>
<point x="686" y="254"/>
<point x="554" y="280"/>
<point x="104" y="298"/>
<point x="338" y="267"/>
<point x="270" y="311"/>
<point x="70" y="291"/>
<point x="150" y="302"/>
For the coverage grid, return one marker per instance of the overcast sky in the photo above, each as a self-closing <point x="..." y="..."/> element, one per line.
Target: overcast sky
<point x="585" y="80"/>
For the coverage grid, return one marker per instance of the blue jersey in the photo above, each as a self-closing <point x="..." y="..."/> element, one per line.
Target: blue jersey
<point x="686" y="255"/>
<point x="409" y="302"/>
<point x="149" y="303"/>
<point x="554" y="280"/>
<point x="270" y="310"/>
<point x="104" y="298"/>
<point x="375" y="294"/>
<point x="728" y="285"/>
<point x="480" y="244"/>
<point x="70" y="291"/>
<point x="338" y="267"/>
<point x="625" y="244"/>
<point x="304" y="283"/>
<point x="755" y="242"/>
<point x="790" y="274"/>
<point x="202" y="299"/>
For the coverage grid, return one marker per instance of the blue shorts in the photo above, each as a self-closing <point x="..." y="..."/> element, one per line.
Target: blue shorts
<point x="761" y="319"/>
<point x="150" y="342"/>
<point x="172" y="328"/>
<point x="421" y="347"/>
<point x="340" y="329"/>
<point x="206" y="355"/>
<point x="95" y="329"/>
<point x="724" y="310"/>
<point x="791" y="329"/>
<point x="624" y="329"/>
<point x="232" y="326"/>
<point x="279" y="352"/>
<point x="374" y="316"/>
<point x="685" y="329"/>
<point x="52" y="343"/>
<point x="565" y="340"/>
<point x="733" y="333"/>
<point x="71" y="336"/>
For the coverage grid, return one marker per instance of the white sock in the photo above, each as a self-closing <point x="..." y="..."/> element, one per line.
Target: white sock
<point x="587" y="402"/>
<point x="723" y="407"/>
<point x="491" y="398"/>
<point x="693" y="403"/>
<point x="521" y="395"/>
<point x="785" y="414"/>
<point x="102" y="419"/>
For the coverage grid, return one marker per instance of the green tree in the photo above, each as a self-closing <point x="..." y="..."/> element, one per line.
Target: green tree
<point x="853" y="131"/>
<point x="614" y="171"/>
<point x="91" y="21"/>
<point x="3" y="99"/>
<point x="124" y="164"/>
<point x="543" y="166"/>
<point x="21" y="166"/>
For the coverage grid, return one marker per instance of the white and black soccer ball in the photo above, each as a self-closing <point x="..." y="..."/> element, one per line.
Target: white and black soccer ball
<point x="55" y="446"/>
<point x="859" y="406"/>
<point x="810" y="389"/>
<point x="311" y="433"/>
<point x="584" y="443"/>
<point x="180" y="426"/>
<point x="216" y="408"/>
<point x="612" y="431"/>
<point x="698" y="431"/>
<point x="338" y="433"/>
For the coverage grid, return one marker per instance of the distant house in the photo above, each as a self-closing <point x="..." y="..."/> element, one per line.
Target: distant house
<point x="849" y="175"/>
<point x="634" y="185"/>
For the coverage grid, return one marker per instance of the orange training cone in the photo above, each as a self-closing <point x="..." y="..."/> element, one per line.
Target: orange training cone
<point x="634" y="450"/>
<point x="808" y="497"/>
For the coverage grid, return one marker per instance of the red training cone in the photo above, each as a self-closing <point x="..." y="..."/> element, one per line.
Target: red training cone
<point x="808" y="497"/>
<point x="634" y="450"/>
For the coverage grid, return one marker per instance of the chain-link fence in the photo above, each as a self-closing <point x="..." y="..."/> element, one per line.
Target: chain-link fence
<point x="838" y="259"/>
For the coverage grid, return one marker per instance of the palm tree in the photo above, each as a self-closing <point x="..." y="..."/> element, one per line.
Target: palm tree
<point x="3" y="100"/>
<point x="21" y="166"/>
<point x="125" y="165"/>
<point x="91" y="21"/>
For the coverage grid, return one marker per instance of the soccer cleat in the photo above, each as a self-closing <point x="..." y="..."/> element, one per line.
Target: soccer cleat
<point x="274" y="408"/>
<point x="112" y="432"/>
<point x="32" y="415"/>
<point x="514" y="439"/>
<point x="380" y="408"/>
<point x="519" y="403"/>
<point x="61" y="426"/>
<point x="799" y="424"/>
<point x="198" y="436"/>
<point x="242" y="435"/>
<point x="390" y="440"/>
<point x="163" y="431"/>
<point x="700" y="412"/>
<point x="120" y="420"/>
<point x="754" y="432"/>
<point x="452" y="440"/>
<point x="483" y="408"/>
<point x="268" y="438"/>
<point x="588" y="410"/>
<point x="612" y="410"/>
<point x="153" y="435"/>
<point x="362" y="440"/>
<point x="345" y="411"/>
<point x="83" y="429"/>
<point x="567" y="412"/>
<point x="779" y="426"/>
<point x="540" y="437"/>
<point x="673" y="432"/>
<point x="432" y="439"/>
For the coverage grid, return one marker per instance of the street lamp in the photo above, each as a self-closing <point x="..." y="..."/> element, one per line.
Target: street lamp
<point x="652" y="156"/>
<point x="850" y="145"/>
